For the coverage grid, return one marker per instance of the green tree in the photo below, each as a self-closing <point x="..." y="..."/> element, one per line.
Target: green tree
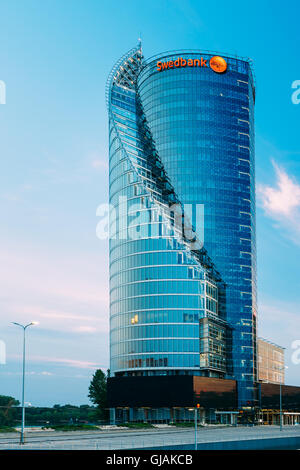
<point x="98" y="392"/>
<point x="8" y="412"/>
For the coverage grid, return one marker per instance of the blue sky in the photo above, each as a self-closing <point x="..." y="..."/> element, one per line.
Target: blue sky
<point x="54" y="59"/>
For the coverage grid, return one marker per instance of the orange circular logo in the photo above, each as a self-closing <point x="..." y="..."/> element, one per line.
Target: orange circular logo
<point x="218" y="64"/>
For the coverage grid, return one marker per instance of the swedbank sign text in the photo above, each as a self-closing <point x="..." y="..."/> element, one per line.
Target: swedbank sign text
<point x="217" y="64"/>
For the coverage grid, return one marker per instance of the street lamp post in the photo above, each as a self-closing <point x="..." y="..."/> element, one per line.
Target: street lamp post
<point x="280" y="404"/>
<point x="24" y="327"/>
<point x="196" y="413"/>
<point x="196" y="423"/>
<point x="280" y="396"/>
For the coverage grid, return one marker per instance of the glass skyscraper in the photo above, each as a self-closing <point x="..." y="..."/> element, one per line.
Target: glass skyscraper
<point x="182" y="217"/>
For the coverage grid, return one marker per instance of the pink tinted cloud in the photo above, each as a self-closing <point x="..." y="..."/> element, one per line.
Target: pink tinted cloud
<point x="61" y="291"/>
<point x="77" y="363"/>
<point x="281" y="202"/>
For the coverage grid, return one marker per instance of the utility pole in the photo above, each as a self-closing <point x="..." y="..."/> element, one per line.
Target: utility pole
<point x="24" y="327"/>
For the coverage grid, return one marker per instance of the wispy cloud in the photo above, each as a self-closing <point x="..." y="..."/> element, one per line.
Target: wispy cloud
<point x="32" y="372"/>
<point x="99" y="164"/>
<point x="60" y="291"/>
<point x="272" y="314"/>
<point x="18" y="194"/>
<point x="64" y="361"/>
<point x="85" y="329"/>
<point x="279" y="321"/>
<point x="281" y="202"/>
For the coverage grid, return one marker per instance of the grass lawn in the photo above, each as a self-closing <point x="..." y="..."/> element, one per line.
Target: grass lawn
<point x="7" y="429"/>
<point x="72" y="427"/>
<point x="136" y="425"/>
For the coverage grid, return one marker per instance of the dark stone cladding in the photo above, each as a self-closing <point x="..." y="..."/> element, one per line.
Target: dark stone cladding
<point x="171" y="391"/>
<point x="269" y="396"/>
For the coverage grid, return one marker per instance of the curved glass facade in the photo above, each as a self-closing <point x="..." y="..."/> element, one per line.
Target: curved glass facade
<point x="182" y="136"/>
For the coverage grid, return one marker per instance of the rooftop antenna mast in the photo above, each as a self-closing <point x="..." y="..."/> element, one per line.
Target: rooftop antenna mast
<point x="140" y="41"/>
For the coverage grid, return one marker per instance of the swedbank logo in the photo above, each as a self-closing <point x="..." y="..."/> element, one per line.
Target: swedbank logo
<point x="216" y="63"/>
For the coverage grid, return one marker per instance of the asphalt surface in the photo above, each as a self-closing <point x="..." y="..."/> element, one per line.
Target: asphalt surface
<point x="137" y="439"/>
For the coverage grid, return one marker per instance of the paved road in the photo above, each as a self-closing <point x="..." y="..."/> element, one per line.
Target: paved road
<point x="133" y="439"/>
